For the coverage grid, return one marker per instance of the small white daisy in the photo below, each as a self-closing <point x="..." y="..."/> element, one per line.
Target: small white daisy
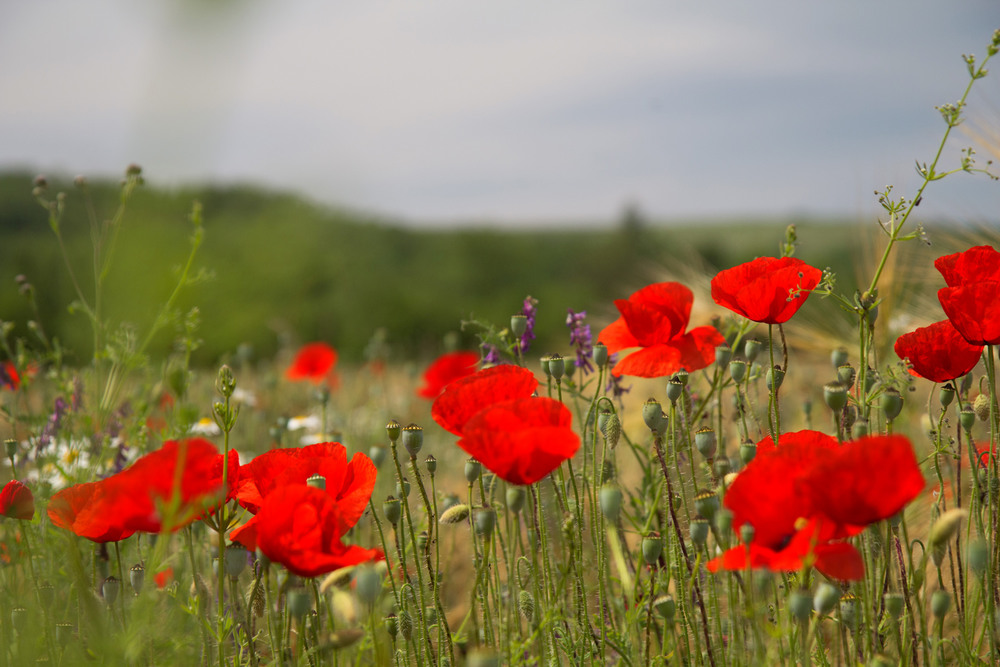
<point x="304" y="422"/>
<point x="205" y="426"/>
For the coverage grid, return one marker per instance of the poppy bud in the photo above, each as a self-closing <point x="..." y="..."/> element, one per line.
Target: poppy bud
<point x="392" y="509"/>
<point x="752" y="349"/>
<point x="486" y="518"/>
<point x="982" y="407"/>
<point x="298" y="601"/>
<point x="413" y="439"/>
<point x="738" y="370"/>
<point x="652" y="547"/>
<point x="699" y="531"/>
<point x="515" y="498"/>
<point x="946" y="395"/>
<point x="724" y="521"/>
<point x="472" y="470"/>
<point x="979" y="556"/>
<point x="46" y="593"/>
<point x="367" y="584"/>
<point x="849" y="611"/>
<point x="405" y="622"/>
<point x="557" y="367"/>
<point x="894" y="605"/>
<point x="800" y="606"/>
<point x="455" y="514"/>
<point x="967" y="417"/>
<point x="835" y="396"/>
<point x="838" y="357"/>
<point x="846" y="375"/>
<point x="945" y="527"/>
<point x="611" y="501"/>
<point x="110" y="588"/>
<point x="317" y="482"/>
<point x="748" y="451"/>
<point x="940" y="602"/>
<point x="393" y="429"/>
<point x="775" y="376"/>
<point x="518" y="325"/>
<point x="892" y="403"/>
<point x="652" y="414"/>
<point x="570" y="367"/>
<point x="706" y="504"/>
<point x="377" y="454"/>
<point x="825" y="599"/>
<point x="431" y="463"/>
<point x="665" y="607"/>
<point x="611" y="428"/>
<point x="674" y="389"/>
<point x="526" y="605"/>
<point x="600" y="355"/>
<point x="136" y="576"/>
<point x="705" y="442"/>
<point x="723" y="353"/>
<point x="859" y="429"/>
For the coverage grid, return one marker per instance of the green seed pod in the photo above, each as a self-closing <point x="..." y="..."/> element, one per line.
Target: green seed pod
<point x="894" y="605"/>
<point x="600" y="355"/>
<point x="946" y="395"/>
<point x="299" y="601"/>
<point x="10" y="445"/>
<point x="838" y="357"/>
<point x="136" y="577"/>
<point x="514" y="497"/>
<point x="979" y="556"/>
<point x="666" y="608"/>
<point x="110" y="589"/>
<point x="19" y="619"/>
<point x="518" y="325"/>
<point x="849" y="611"/>
<point x="64" y="633"/>
<point x="46" y="594"/>
<point x="526" y="605"/>
<point x="486" y="519"/>
<point x="570" y="367"/>
<point x="652" y="547"/>
<point x="892" y="403"/>
<point x="940" y="603"/>
<point x="705" y="442"/>
<point x="723" y="354"/>
<point x="859" y="429"/>
<point x="846" y="375"/>
<point x="835" y="396"/>
<point x="722" y="467"/>
<point x="706" y="504"/>
<point x="775" y="376"/>
<point x="652" y="414"/>
<point x="317" y="482"/>
<point x="682" y="376"/>
<point x="431" y="463"/>
<point x="557" y="367"/>
<point x="392" y="625"/>
<point x="413" y="439"/>
<point x="724" y="521"/>
<point x="738" y="370"/>
<point x="674" y="390"/>
<point x="752" y="349"/>
<point x="747" y="532"/>
<point x="800" y="606"/>
<point x="472" y="470"/>
<point x="235" y="560"/>
<point x="825" y="599"/>
<point x="748" y="451"/>
<point x="967" y="418"/>
<point x="392" y="508"/>
<point x="699" y="531"/>
<point x="393" y="430"/>
<point x="367" y="584"/>
<point x="377" y="454"/>
<point x="611" y="501"/>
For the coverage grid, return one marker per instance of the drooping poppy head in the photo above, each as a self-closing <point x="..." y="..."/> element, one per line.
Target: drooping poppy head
<point x="938" y="352"/>
<point x="314" y="362"/>
<point x="301" y="528"/>
<point x="463" y="398"/>
<point x="521" y="440"/>
<point x="17" y="501"/>
<point x="768" y="289"/>
<point x="446" y="369"/>
<point x="654" y="319"/>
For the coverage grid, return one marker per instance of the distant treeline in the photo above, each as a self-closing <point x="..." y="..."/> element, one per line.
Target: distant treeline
<point x="287" y="271"/>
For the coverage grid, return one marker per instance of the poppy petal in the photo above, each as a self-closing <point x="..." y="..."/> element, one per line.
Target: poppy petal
<point x="463" y="398"/>
<point x="938" y="352"/>
<point x="446" y="369"/>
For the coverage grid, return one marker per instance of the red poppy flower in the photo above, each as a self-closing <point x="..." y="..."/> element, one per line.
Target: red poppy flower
<point x="350" y="484"/>
<point x="938" y="352"/>
<point x="301" y="527"/>
<point x="655" y="319"/>
<point x="972" y="298"/>
<point x="768" y="289"/>
<point x="465" y="397"/>
<point x="85" y="510"/>
<point x="8" y="376"/>
<point x="313" y="362"/>
<point x="521" y="440"/>
<point x="446" y="369"/>
<point x="163" y="577"/>
<point x="16" y="501"/>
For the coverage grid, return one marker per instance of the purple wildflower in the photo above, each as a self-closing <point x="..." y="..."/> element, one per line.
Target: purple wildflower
<point x="491" y="355"/>
<point x="580" y="338"/>
<point x="528" y="310"/>
<point x="52" y="425"/>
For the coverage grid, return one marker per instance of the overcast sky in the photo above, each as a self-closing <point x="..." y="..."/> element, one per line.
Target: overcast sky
<point x="457" y="111"/>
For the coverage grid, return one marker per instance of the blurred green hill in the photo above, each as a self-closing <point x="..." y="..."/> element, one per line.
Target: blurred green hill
<point x="287" y="271"/>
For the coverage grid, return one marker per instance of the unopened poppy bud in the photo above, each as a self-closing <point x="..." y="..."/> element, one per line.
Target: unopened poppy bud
<point x="557" y="367"/>
<point x="892" y="403"/>
<point x="737" y="370"/>
<point x="472" y="470"/>
<point x="514" y="497"/>
<point x="298" y="601"/>
<point x="982" y="407"/>
<point x="699" y="531"/>
<point x="825" y="599"/>
<point x="752" y="349"/>
<point x="367" y="584"/>
<point x="835" y="396"/>
<point x="526" y="605"/>
<point x="723" y="353"/>
<point x="940" y="603"/>
<point x="431" y="464"/>
<point x="748" y="451"/>
<point x="674" y="390"/>
<point x="747" y="533"/>
<point x="392" y="509"/>
<point x="377" y="454"/>
<point x="979" y="556"/>
<point x="946" y="526"/>
<point x="518" y="325"/>
<point x="393" y="430"/>
<point x="894" y="605"/>
<point x="110" y="589"/>
<point x="705" y="442"/>
<point x="652" y="547"/>
<point x="317" y="482"/>
<point x="706" y="504"/>
<point x="775" y="376"/>
<point x="652" y="414"/>
<point x="946" y="395"/>
<point x="846" y="375"/>
<point x="486" y="519"/>
<point x="136" y="577"/>
<point x="611" y="428"/>
<point x="859" y="429"/>
<point x="455" y="514"/>
<point x="800" y="605"/>
<point x="611" y="501"/>
<point x="600" y="355"/>
<point x="405" y="622"/>
<point x="403" y="488"/>
<point x="838" y="357"/>
<point x="849" y="611"/>
<point x="665" y="607"/>
<point x="413" y="439"/>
